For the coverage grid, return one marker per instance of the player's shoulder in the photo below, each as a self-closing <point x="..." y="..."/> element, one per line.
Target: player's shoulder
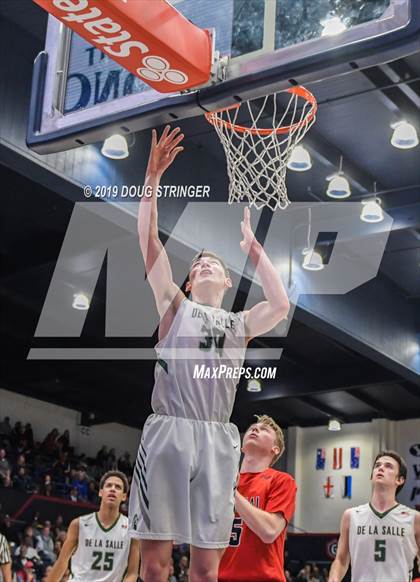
<point x="359" y="509"/>
<point x="86" y="520"/>
<point x="405" y="510"/>
<point x="123" y="523"/>
<point x="280" y="477"/>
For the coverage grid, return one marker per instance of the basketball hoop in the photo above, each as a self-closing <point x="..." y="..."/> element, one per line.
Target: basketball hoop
<point x="257" y="156"/>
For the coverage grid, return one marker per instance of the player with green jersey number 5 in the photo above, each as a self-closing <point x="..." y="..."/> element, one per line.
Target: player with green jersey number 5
<point x="381" y="538"/>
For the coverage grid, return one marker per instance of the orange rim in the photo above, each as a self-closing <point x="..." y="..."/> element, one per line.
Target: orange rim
<point x="299" y="91"/>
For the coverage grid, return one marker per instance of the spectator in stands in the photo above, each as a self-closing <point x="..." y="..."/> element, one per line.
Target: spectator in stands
<point x="47" y="487"/>
<point x="8" y="530"/>
<point x="183" y="569"/>
<point x="172" y="577"/>
<point x="20" y="462"/>
<point x="27" y="551"/>
<point x="23" y="556"/>
<point x="22" y="481"/>
<point x="27" y="573"/>
<point x="5" y="428"/>
<point x="45" y="546"/>
<point x="93" y="496"/>
<point x="73" y="495"/>
<point x="81" y="484"/>
<point x="305" y="574"/>
<point x="16" y="432"/>
<point x="102" y="457"/>
<point x="50" y="444"/>
<point x="28" y="536"/>
<point x="36" y="524"/>
<point x="58" y="526"/>
<point x="29" y="435"/>
<point x="46" y="573"/>
<point x="4" y="468"/>
<point x="64" y="441"/>
<point x="5" y="560"/>
<point x="124" y="464"/>
<point x="111" y="462"/>
<point x="61" y="468"/>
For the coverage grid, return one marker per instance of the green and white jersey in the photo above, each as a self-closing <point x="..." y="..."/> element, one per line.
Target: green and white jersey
<point x="382" y="545"/>
<point x="102" y="554"/>
<point x="198" y="363"/>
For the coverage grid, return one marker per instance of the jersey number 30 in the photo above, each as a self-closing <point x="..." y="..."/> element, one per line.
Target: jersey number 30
<point x="103" y="561"/>
<point x="380" y="550"/>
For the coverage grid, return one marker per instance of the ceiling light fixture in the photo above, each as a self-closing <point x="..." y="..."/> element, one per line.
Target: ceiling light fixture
<point x="338" y="186"/>
<point x="300" y="160"/>
<point x="115" y="147"/>
<point x="405" y="135"/>
<point x="313" y="260"/>
<point x="334" y="425"/>
<point x="80" y="301"/>
<point x="371" y="209"/>
<point x="254" y="385"/>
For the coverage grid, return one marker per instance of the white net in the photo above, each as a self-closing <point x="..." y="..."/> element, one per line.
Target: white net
<point x="257" y="157"/>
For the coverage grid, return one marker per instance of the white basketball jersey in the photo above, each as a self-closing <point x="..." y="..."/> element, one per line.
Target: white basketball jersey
<point x="201" y="340"/>
<point x="102" y="554"/>
<point x="382" y="545"/>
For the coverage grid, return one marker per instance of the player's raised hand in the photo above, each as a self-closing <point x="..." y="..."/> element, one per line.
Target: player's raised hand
<point x="164" y="151"/>
<point x="248" y="235"/>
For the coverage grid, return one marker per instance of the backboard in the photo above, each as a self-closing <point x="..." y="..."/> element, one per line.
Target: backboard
<point x="81" y="96"/>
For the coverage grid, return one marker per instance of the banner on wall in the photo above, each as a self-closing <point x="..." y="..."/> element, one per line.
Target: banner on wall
<point x="347" y="486"/>
<point x="354" y="457"/>
<point x="338" y="458"/>
<point x="320" y="459"/>
<point x="328" y="488"/>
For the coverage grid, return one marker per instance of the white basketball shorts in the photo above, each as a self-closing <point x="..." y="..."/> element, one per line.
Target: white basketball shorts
<point x="184" y="481"/>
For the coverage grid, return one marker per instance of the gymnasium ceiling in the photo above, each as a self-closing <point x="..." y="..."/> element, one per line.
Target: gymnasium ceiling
<point x="323" y="372"/>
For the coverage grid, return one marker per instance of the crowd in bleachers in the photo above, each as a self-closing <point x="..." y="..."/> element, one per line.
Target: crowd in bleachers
<point x="53" y="468"/>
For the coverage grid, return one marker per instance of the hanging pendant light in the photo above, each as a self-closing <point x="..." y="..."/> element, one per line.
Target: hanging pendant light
<point x="300" y="160"/>
<point x="405" y="136"/>
<point x="338" y="187"/>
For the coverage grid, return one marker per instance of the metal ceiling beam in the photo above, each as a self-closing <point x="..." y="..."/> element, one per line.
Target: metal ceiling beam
<point x="411" y="389"/>
<point x="393" y="97"/>
<point x="324" y="409"/>
<point x="372" y="403"/>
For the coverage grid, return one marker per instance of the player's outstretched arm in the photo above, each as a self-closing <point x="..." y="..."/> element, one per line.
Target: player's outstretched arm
<point x="267" y="526"/>
<point x="341" y="563"/>
<point x="158" y="269"/>
<point x="133" y="567"/>
<point x="267" y="314"/>
<point x="59" y="569"/>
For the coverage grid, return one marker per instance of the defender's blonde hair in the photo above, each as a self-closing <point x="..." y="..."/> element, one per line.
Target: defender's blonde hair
<point x="270" y="422"/>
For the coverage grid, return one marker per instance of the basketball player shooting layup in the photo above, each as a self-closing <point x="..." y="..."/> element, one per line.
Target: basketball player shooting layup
<point x="381" y="538"/>
<point x="183" y="483"/>
<point x="98" y="544"/>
